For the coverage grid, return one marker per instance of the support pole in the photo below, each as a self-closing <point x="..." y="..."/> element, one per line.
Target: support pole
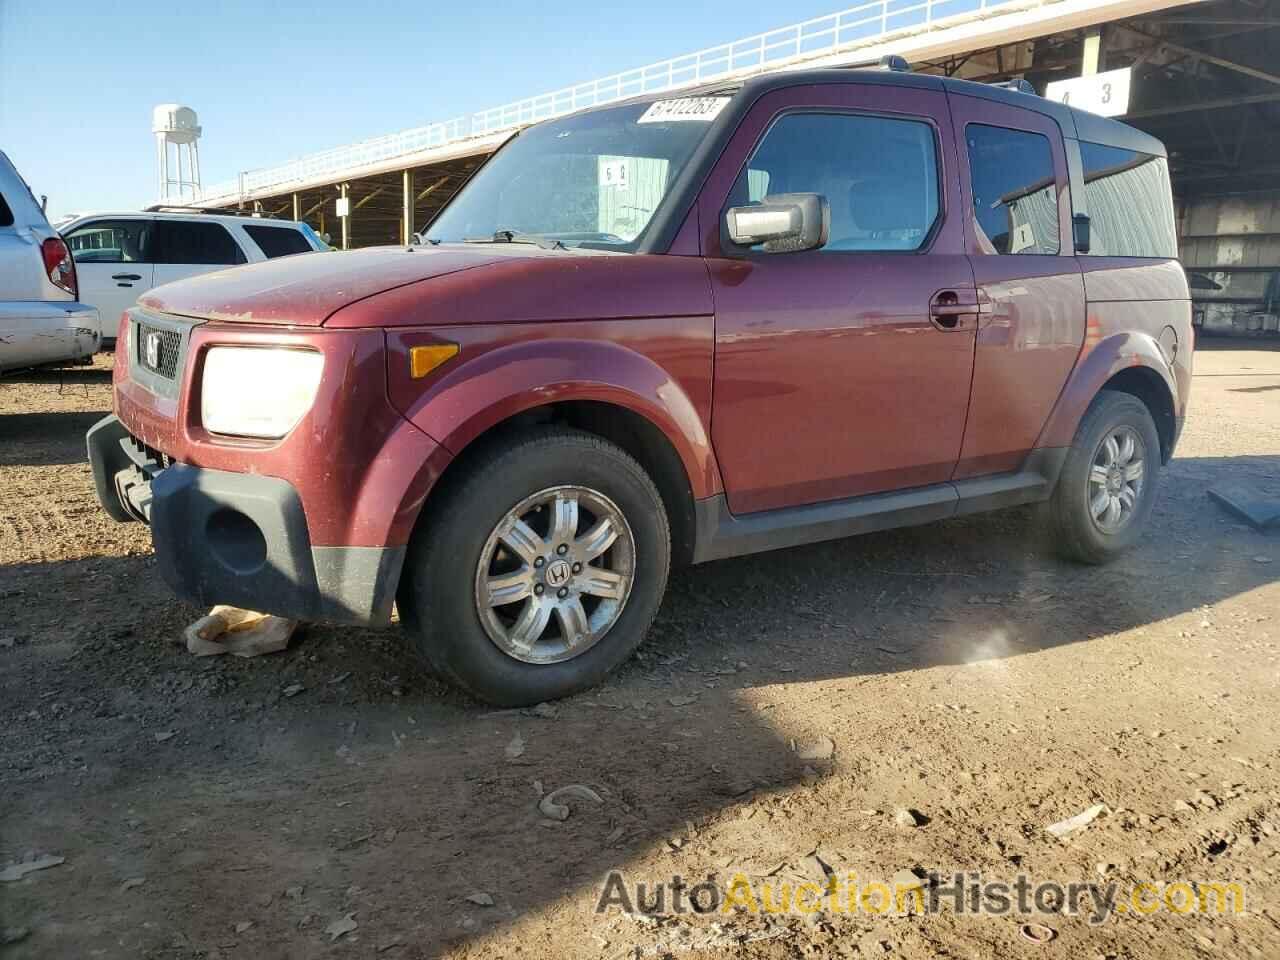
<point x="197" y="189"/>
<point x="346" y="220"/>
<point x="296" y="207"/>
<point x="406" y="213"/>
<point x="1092" y="52"/>
<point x="162" y="164"/>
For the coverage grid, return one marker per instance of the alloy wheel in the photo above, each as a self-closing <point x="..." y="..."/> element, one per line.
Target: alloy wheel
<point x="555" y="574"/>
<point x="1116" y="478"/>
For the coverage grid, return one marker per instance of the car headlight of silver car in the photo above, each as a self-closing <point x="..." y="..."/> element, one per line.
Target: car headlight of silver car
<point x="258" y="391"/>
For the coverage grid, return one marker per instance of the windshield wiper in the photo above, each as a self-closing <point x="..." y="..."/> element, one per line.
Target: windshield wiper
<point x="515" y="236"/>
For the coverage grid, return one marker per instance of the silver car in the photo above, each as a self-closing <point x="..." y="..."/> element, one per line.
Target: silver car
<point x="41" y="319"/>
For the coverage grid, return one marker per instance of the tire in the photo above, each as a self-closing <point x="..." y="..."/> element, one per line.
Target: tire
<point x="445" y="595"/>
<point x="1078" y="532"/>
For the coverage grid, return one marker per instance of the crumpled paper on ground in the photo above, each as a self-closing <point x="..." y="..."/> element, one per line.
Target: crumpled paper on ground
<point x="243" y="633"/>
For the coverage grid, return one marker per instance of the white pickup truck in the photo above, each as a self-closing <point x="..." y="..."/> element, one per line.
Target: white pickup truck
<point x="41" y="321"/>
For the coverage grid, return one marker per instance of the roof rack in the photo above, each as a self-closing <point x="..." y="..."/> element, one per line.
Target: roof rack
<point x="1017" y="86"/>
<point x="890" y="61"/>
<point x="179" y="208"/>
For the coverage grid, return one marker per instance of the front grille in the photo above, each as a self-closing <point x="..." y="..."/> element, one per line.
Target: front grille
<point x="160" y="458"/>
<point x="158" y="350"/>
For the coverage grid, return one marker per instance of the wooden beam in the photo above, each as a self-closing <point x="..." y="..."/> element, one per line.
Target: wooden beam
<point x="1202" y="105"/>
<point x="366" y="198"/>
<point x="1202" y="56"/>
<point x="435" y="186"/>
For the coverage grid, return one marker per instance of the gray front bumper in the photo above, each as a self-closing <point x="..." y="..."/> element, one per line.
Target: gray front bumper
<point x="239" y="539"/>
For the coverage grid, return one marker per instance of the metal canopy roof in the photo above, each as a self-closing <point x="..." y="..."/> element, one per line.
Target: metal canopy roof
<point x="915" y="29"/>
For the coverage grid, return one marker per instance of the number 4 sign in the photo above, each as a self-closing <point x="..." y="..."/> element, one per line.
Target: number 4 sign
<point x="1106" y="94"/>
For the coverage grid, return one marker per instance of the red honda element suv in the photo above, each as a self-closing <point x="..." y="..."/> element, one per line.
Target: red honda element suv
<point x="671" y="330"/>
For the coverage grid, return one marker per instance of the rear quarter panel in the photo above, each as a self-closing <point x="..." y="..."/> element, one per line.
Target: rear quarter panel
<point x="1138" y="314"/>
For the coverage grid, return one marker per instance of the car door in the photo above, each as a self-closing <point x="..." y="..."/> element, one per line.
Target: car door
<point x="1018" y="233"/>
<point x="187" y="248"/>
<point x="113" y="265"/>
<point x="834" y="378"/>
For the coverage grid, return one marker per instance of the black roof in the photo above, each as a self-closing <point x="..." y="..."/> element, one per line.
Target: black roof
<point x="1074" y="123"/>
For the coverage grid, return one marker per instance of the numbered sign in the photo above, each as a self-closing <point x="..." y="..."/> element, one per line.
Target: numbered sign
<point x="1106" y="94"/>
<point x="613" y="173"/>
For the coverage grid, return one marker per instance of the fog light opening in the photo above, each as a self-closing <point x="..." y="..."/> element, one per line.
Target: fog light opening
<point x="236" y="541"/>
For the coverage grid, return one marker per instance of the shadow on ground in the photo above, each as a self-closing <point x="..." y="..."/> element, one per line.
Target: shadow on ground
<point x="376" y="791"/>
<point x="45" y="439"/>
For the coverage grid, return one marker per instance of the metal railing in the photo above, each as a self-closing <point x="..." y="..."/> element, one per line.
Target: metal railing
<point x="867" y="23"/>
<point x="339" y="159"/>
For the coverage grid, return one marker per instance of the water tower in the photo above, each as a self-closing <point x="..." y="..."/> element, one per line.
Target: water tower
<point x="177" y="126"/>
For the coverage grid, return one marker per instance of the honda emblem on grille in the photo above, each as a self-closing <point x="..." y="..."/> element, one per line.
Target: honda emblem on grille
<point x="151" y="344"/>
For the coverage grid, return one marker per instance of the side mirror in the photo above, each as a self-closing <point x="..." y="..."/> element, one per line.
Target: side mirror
<point x="785" y="223"/>
<point x="1080" y="232"/>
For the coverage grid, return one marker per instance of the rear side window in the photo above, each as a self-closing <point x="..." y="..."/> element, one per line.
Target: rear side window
<point x="278" y="241"/>
<point x="6" y="215"/>
<point x="195" y="242"/>
<point x="879" y="175"/>
<point x="112" y="241"/>
<point x="1015" y="196"/>
<point x="1129" y="202"/>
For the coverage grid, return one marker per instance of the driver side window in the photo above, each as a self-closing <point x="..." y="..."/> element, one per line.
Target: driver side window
<point x="878" y="174"/>
<point x="111" y="241"/>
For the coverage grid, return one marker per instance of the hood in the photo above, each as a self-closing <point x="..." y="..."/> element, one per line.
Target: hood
<point x="306" y="289"/>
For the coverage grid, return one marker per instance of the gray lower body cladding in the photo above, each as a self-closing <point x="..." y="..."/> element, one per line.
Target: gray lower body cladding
<point x="239" y="539"/>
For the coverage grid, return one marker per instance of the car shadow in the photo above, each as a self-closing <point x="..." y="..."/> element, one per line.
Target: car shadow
<point x="340" y="778"/>
<point x="60" y="376"/>
<point x="45" y="439"/>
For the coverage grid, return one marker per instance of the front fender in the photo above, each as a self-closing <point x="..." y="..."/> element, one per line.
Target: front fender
<point x="1100" y="362"/>
<point x="659" y="369"/>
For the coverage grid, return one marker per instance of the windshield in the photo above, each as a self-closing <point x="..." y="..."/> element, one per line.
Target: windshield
<point x="591" y="180"/>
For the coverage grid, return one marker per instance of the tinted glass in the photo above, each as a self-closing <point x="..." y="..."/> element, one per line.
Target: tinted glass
<point x="278" y="241"/>
<point x="1015" y="197"/>
<point x="1129" y="202"/>
<point x="6" y="215"/>
<point x="195" y="242"/>
<point x="880" y="176"/>
<point x="112" y="241"/>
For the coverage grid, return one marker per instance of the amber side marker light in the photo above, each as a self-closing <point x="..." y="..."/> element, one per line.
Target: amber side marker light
<point x="422" y="360"/>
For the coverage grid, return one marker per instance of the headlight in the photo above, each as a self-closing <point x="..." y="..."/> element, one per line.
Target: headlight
<point x="257" y="391"/>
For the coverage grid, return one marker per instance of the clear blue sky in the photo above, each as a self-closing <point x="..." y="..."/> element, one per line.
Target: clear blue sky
<point x="275" y="80"/>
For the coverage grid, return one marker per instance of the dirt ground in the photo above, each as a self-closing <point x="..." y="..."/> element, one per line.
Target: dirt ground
<point x="208" y="808"/>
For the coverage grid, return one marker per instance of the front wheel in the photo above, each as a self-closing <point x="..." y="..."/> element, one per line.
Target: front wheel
<point x="1108" y="484"/>
<point x="538" y="569"/>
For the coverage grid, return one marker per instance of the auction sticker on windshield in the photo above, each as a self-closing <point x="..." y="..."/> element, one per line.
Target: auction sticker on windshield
<point x="685" y="108"/>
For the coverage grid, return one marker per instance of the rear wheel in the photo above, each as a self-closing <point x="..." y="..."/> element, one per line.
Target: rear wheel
<point x="1108" y="484"/>
<point x="539" y="569"/>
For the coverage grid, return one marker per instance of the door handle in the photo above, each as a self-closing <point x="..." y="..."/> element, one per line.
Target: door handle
<point x="126" y="276"/>
<point x="946" y="311"/>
